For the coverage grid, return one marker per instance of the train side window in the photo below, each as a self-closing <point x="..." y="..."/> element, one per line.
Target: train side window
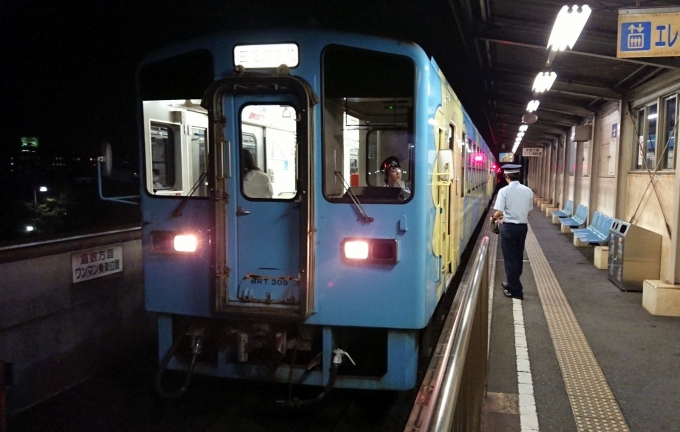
<point x="162" y="156"/>
<point x="366" y="119"/>
<point x="176" y="148"/>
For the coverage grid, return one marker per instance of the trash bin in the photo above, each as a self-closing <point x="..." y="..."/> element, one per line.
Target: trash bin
<point x="634" y="255"/>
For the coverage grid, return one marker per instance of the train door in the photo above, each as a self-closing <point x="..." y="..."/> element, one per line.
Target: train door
<point x="263" y="205"/>
<point x="267" y="215"/>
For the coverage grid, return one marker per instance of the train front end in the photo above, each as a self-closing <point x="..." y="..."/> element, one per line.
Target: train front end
<point x="277" y="243"/>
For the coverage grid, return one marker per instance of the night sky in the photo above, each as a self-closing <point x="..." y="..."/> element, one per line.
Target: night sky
<point x="68" y="67"/>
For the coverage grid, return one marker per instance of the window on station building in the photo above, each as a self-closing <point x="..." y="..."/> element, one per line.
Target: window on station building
<point x="669" y="132"/>
<point x="655" y="131"/>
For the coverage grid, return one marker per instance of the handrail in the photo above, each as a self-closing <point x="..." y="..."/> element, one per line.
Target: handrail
<point x="469" y="312"/>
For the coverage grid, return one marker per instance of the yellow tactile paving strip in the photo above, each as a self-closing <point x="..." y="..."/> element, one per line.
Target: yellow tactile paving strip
<point x="592" y="401"/>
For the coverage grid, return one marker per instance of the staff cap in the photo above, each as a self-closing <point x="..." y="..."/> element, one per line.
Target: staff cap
<point x="511" y="168"/>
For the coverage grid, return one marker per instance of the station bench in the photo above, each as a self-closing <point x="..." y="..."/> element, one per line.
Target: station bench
<point x="597" y="232"/>
<point x="565" y="212"/>
<point x="575" y="221"/>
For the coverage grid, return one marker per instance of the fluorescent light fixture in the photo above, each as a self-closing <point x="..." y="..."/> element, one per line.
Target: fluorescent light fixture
<point x="568" y="27"/>
<point x="543" y="81"/>
<point x="523" y="128"/>
<point x="652" y="116"/>
<point x="533" y="105"/>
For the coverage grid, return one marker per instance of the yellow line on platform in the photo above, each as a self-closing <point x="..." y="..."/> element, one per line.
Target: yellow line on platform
<point x="592" y="401"/>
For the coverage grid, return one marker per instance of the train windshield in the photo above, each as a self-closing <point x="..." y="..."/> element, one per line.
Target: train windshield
<point x="367" y="125"/>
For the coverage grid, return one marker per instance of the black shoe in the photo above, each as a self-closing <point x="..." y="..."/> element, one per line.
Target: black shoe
<point x="504" y="285"/>
<point x="511" y="295"/>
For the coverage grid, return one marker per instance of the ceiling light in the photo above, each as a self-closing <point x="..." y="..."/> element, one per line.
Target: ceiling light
<point x="533" y="105"/>
<point x="568" y="26"/>
<point x="543" y="81"/>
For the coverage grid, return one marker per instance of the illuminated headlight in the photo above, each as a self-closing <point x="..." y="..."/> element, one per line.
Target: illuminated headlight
<point x="356" y="249"/>
<point x="370" y="251"/>
<point x="167" y="242"/>
<point x="185" y="243"/>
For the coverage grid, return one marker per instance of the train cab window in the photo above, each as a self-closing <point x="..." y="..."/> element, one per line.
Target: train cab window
<point x="268" y="152"/>
<point x="176" y="148"/>
<point x="367" y="120"/>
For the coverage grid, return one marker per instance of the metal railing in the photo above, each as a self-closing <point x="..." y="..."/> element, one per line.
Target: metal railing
<point x="451" y="397"/>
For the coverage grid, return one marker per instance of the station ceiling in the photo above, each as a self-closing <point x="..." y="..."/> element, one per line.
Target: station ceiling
<point x="492" y="50"/>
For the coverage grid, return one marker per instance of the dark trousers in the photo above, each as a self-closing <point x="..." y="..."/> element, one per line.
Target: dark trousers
<point x="513" y="237"/>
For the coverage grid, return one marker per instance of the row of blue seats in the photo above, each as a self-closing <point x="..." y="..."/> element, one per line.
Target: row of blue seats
<point x="595" y="233"/>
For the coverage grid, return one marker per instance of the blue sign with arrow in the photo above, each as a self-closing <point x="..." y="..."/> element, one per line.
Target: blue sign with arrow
<point x="636" y="36"/>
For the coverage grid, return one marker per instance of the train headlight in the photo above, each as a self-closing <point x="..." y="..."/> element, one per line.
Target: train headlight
<point x="370" y="251"/>
<point x="356" y="249"/>
<point x="185" y="243"/>
<point x="169" y="242"/>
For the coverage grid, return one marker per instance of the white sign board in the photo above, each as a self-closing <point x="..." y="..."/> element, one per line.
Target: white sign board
<point x="506" y="157"/>
<point x="532" y="151"/>
<point x="95" y="263"/>
<point x="266" y="56"/>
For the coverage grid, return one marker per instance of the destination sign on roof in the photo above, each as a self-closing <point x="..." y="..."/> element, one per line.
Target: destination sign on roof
<point x="653" y="32"/>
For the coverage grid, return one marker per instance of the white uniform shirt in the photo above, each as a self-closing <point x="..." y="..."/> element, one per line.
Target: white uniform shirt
<point x="256" y="184"/>
<point x="515" y="201"/>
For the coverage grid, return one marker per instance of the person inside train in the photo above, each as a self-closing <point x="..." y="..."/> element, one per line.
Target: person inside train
<point x="157" y="179"/>
<point x="256" y="184"/>
<point x="392" y="172"/>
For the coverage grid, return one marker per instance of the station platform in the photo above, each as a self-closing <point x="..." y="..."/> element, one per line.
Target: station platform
<point x="577" y="354"/>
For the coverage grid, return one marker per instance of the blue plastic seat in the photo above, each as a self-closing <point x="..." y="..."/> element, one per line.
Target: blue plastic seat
<point x="578" y="219"/>
<point x="593" y="225"/>
<point x="566" y="211"/>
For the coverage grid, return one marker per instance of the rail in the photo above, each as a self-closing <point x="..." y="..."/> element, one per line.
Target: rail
<point x="451" y="397"/>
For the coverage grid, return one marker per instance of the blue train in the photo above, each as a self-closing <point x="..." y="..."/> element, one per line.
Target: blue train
<point x="306" y="199"/>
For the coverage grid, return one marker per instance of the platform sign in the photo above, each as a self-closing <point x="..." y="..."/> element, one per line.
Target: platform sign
<point x="506" y="157"/>
<point x="95" y="263"/>
<point x="532" y="151"/>
<point x="653" y="32"/>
